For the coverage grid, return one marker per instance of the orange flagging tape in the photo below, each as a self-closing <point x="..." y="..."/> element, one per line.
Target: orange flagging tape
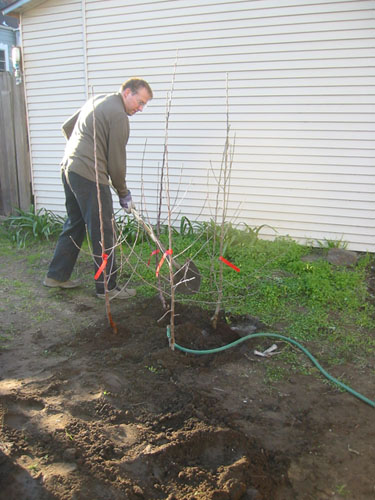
<point x="167" y="252"/>
<point x="102" y="266"/>
<point x="152" y="253"/>
<point x="229" y="264"/>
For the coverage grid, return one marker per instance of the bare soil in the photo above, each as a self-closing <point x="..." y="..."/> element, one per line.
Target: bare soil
<point x="90" y="415"/>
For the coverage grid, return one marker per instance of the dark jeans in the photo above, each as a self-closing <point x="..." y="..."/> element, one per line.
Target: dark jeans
<point x="82" y="209"/>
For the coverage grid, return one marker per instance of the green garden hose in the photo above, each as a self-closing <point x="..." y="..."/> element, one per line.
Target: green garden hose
<point x="286" y="339"/>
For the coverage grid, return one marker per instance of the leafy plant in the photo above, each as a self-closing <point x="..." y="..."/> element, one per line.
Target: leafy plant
<point x="128" y="228"/>
<point x="187" y="227"/>
<point x="131" y="231"/>
<point x="28" y="225"/>
<point x="233" y="236"/>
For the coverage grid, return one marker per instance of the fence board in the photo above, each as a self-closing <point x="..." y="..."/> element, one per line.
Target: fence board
<point x="15" y="173"/>
<point x="8" y="179"/>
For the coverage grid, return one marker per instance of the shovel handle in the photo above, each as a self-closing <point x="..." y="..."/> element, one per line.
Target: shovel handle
<point x="147" y="228"/>
<point x="152" y="235"/>
<point x="195" y="272"/>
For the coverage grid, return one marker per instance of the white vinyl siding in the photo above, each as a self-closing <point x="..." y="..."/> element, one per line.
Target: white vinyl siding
<point x="55" y="88"/>
<point x="301" y="104"/>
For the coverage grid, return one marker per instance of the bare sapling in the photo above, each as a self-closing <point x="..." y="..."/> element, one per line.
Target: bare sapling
<point x="221" y="208"/>
<point x="164" y="169"/>
<point x="158" y="221"/>
<point x="105" y="274"/>
<point x="169" y="211"/>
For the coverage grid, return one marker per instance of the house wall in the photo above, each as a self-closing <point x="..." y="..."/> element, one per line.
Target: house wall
<point x="53" y="60"/>
<point x="301" y="83"/>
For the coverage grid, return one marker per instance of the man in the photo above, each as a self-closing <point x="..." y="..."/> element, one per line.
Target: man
<point x="110" y="115"/>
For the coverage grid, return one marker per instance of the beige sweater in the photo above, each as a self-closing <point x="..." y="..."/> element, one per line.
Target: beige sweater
<point x="112" y="134"/>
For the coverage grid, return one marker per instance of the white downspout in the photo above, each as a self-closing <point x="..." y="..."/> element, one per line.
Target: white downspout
<point x="20" y="41"/>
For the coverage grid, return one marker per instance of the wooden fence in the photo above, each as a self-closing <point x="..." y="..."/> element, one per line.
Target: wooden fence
<point x="15" y="172"/>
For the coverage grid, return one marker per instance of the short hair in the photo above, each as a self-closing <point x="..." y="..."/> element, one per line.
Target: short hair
<point x="135" y="84"/>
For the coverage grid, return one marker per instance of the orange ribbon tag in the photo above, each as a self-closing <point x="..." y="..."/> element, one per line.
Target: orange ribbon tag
<point x="167" y="252"/>
<point x="102" y="266"/>
<point x="229" y="264"/>
<point x="152" y="253"/>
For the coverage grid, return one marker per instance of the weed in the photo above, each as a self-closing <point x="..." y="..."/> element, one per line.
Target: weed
<point x="153" y="369"/>
<point x="342" y="490"/>
<point x="33" y="467"/>
<point x="295" y="361"/>
<point x="69" y="436"/>
<point x="275" y="373"/>
<point x="326" y="243"/>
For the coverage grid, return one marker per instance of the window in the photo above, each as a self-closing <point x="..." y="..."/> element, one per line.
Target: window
<point x="3" y="65"/>
<point x="4" y="57"/>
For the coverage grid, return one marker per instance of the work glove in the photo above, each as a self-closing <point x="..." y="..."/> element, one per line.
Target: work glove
<point x="127" y="203"/>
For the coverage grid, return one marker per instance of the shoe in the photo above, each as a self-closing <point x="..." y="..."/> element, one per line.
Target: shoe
<point x="50" y="282"/>
<point x="118" y="293"/>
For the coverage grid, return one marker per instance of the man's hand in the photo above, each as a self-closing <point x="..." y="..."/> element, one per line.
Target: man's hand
<point x="127" y="203"/>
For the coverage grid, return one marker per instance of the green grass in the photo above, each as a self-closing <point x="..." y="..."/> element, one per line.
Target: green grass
<point x="5" y="338"/>
<point x="308" y="301"/>
<point x="314" y="302"/>
<point x="20" y="296"/>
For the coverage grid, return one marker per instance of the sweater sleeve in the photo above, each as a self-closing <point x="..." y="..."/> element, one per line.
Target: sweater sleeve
<point x="68" y="126"/>
<point x="117" y="140"/>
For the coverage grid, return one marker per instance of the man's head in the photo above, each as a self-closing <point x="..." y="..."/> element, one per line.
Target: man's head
<point x="135" y="93"/>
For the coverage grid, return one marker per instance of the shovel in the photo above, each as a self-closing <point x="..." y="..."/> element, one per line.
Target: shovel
<point x="187" y="276"/>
